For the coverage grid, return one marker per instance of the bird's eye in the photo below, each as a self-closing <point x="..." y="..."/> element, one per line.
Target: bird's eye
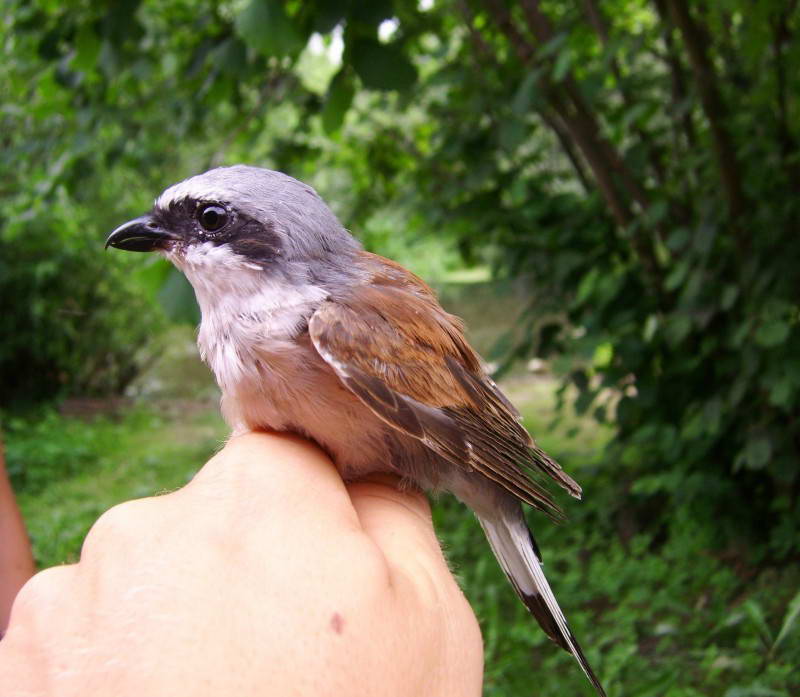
<point x="212" y="217"/>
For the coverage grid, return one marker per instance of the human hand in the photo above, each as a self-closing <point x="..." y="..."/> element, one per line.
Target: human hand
<point x="265" y="575"/>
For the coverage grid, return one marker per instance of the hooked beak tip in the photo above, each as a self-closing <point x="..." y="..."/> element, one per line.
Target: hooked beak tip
<point x="139" y="235"/>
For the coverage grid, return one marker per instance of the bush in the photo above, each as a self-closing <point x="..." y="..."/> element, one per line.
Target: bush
<point x="73" y="320"/>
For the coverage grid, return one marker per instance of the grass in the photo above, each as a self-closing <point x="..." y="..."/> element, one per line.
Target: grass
<point x="654" y="619"/>
<point x="142" y="454"/>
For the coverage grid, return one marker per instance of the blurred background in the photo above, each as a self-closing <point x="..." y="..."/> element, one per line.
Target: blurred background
<point x="607" y="191"/>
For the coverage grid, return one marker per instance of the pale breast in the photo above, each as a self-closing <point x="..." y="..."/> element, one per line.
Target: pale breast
<point x="253" y="336"/>
<point x="295" y="390"/>
<point x="282" y="384"/>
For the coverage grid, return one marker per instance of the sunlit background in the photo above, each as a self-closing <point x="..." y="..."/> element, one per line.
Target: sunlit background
<point x="608" y="191"/>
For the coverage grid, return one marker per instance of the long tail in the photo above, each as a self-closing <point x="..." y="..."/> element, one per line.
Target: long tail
<point x="519" y="556"/>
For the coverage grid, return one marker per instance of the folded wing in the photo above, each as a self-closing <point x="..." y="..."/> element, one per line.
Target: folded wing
<point x="398" y="351"/>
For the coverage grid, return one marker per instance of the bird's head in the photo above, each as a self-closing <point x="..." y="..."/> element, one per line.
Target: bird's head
<point x="240" y="217"/>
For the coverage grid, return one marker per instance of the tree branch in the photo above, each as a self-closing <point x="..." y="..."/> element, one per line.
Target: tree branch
<point x="583" y="129"/>
<point x="696" y="39"/>
<point x="600" y="24"/>
<point x="584" y="117"/>
<point x="502" y="18"/>
<point x="551" y="120"/>
<point x="477" y="38"/>
<point x="781" y="39"/>
<point x="582" y="135"/>
<point x="677" y="76"/>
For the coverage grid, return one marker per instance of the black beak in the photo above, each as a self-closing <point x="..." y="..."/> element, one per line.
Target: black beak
<point x="140" y="235"/>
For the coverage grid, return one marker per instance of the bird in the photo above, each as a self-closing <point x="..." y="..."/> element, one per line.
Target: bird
<point x="307" y="332"/>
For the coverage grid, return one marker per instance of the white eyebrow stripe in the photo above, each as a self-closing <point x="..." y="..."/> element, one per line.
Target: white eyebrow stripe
<point x="183" y="191"/>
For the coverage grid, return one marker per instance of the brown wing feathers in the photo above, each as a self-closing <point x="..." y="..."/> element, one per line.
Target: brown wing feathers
<point x="395" y="348"/>
<point x="505" y="425"/>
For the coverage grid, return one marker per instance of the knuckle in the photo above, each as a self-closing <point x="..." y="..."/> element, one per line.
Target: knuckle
<point x="113" y="527"/>
<point x="43" y="591"/>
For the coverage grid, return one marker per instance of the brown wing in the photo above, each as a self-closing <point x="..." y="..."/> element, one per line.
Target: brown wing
<point x="395" y="348"/>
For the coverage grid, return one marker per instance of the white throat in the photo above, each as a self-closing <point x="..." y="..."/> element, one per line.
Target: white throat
<point x="247" y="313"/>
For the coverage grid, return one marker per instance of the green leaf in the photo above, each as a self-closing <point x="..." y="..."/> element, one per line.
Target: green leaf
<point x="553" y="45"/>
<point x="382" y="66"/>
<point x="650" y="327"/>
<point x="587" y="285"/>
<point x="657" y="211"/>
<point x="772" y="333"/>
<point x="781" y="394"/>
<point x="663" y="256"/>
<point x="562" y="65"/>
<point x="678" y="239"/>
<point x="756" y="454"/>
<point x="87" y="49"/>
<point x="789" y="620"/>
<point x="231" y="56"/>
<point x="712" y="415"/>
<point x="634" y="114"/>
<point x="677" y="328"/>
<point x="512" y="134"/>
<point x="266" y="28"/>
<point x="704" y="237"/>
<point x="729" y="295"/>
<point x="603" y="355"/>
<point x="337" y="102"/>
<point x="693" y="424"/>
<point x="677" y="276"/>
<point x="526" y="93"/>
<point x="756" y="614"/>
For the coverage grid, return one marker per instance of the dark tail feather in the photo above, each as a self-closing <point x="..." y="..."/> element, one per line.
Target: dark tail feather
<point x="516" y="550"/>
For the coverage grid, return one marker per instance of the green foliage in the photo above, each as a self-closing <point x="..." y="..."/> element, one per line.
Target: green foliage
<point x="382" y="67"/>
<point x="266" y="28"/>
<point x="67" y="471"/>
<point x="45" y="449"/>
<point x="71" y="322"/>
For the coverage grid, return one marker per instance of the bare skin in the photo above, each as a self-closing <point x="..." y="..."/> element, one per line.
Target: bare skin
<point x="16" y="560"/>
<point x="265" y="575"/>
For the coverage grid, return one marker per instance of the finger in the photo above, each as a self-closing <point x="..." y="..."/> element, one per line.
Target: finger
<point x="273" y="475"/>
<point x="399" y="522"/>
<point x="391" y="487"/>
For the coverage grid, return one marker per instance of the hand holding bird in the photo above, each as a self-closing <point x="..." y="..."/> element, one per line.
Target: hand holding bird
<point x="230" y="586"/>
